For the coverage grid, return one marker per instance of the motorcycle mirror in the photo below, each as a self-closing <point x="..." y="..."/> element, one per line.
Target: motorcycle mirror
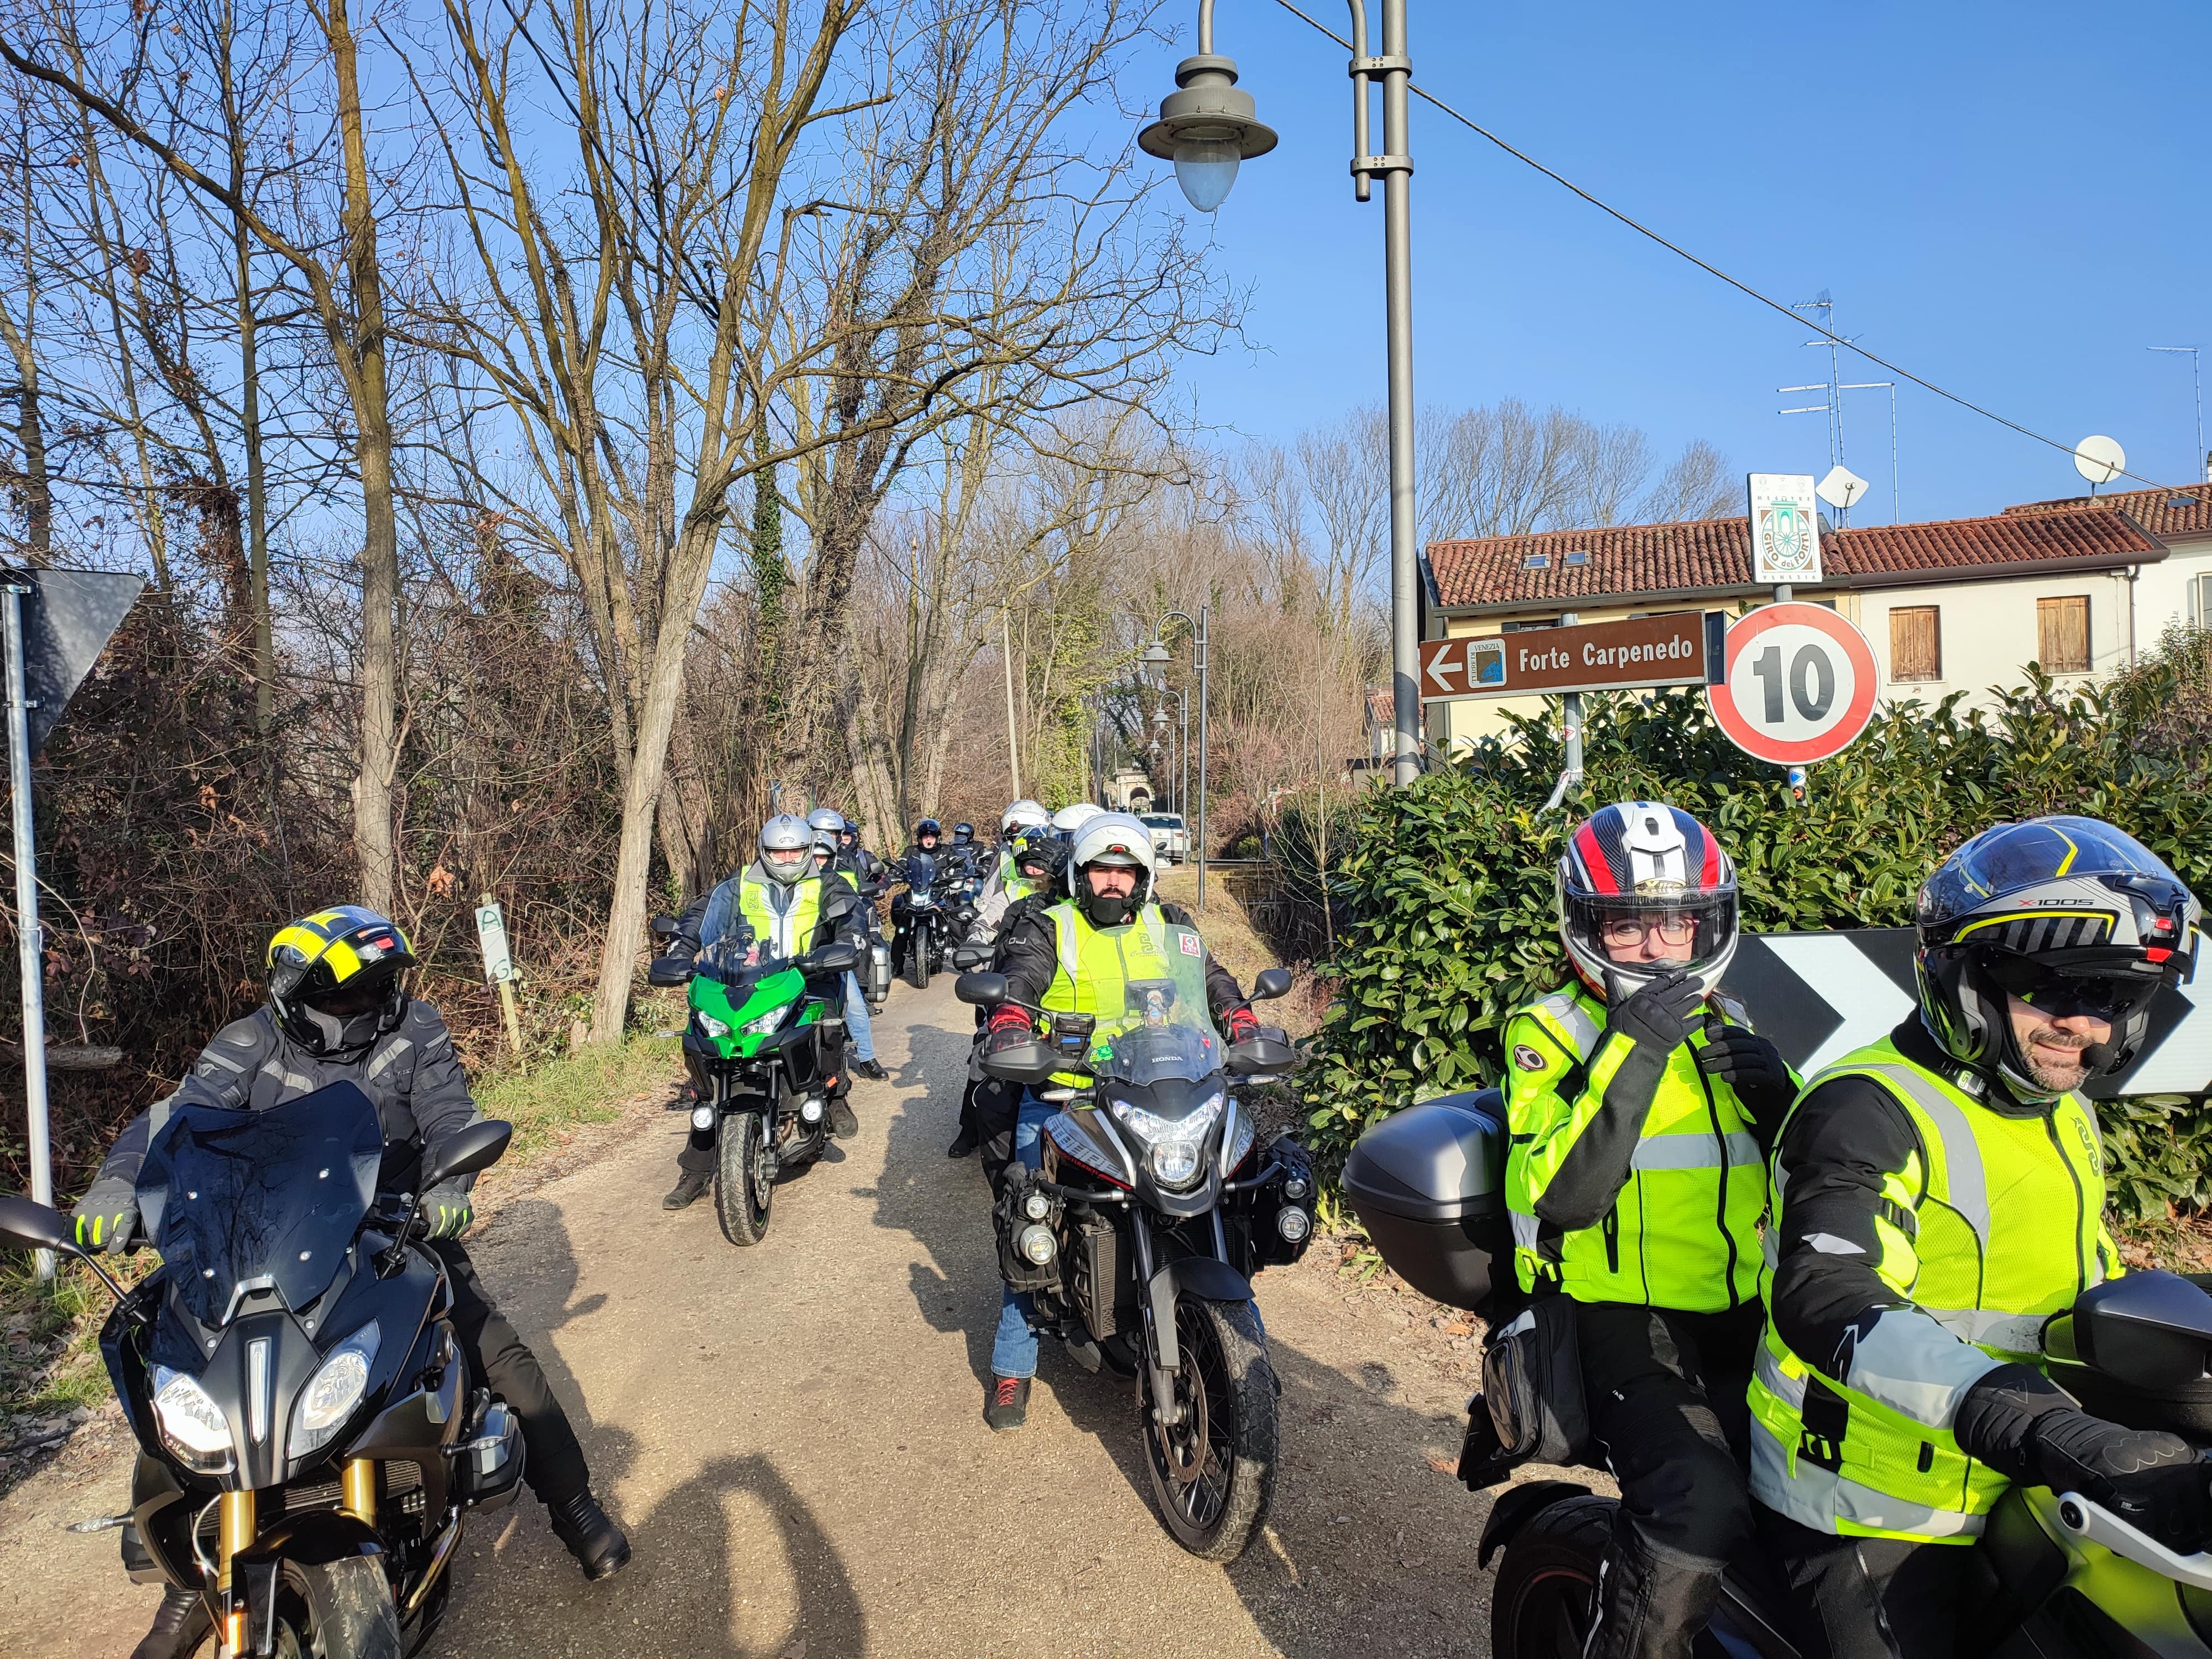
<point x="982" y="990"/>
<point x="838" y="958"/>
<point x="666" y="971"/>
<point x="970" y="956"/>
<point x="476" y="1147"/>
<point x="33" y="1227"/>
<point x="664" y="927"/>
<point x="1272" y="982"/>
<point x="2149" y="1329"/>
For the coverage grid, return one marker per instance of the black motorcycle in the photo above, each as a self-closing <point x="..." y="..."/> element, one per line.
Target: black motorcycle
<point x="933" y="914"/>
<point x="1138" y="1239"/>
<point x="310" y="1438"/>
<point x="2061" y="1576"/>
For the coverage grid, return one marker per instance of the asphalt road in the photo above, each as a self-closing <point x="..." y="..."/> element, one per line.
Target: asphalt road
<point x="792" y="1436"/>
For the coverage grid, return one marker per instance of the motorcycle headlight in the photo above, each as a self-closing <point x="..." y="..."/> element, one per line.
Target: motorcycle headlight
<point x="767" y="1021"/>
<point x="192" y="1425"/>
<point x="710" y="1025"/>
<point x="1174" y="1143"/>
<point x="332" y="1393"/>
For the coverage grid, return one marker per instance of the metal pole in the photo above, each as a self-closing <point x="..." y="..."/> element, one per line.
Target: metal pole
<point x="29" y="938"/>
<point x="1202" y="612"/>
<point x="1013" y="743"/>
<point x="1398" y="284"/>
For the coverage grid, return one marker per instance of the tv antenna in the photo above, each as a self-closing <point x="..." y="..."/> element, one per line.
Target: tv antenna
<point x="1833" y="389"/>
<point x="2203" y="462"/>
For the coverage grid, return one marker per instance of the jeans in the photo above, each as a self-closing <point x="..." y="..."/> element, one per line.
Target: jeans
<point x="856" y="1020"/>
<point x="1014" y="1351"/>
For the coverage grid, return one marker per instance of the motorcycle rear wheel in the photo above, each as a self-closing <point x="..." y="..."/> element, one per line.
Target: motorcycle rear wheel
<point x="1543" y="1600"/>
<point x="1213" y="1478"/>
<point x="744" y="1186"/>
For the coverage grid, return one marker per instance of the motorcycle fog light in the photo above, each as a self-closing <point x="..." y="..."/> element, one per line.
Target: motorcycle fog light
<point x="1174" y="1163"/>
<point x="1292" y="1224"/>
<point x="332" y="1393"/>
<point x="1295" y="1187"/>
<point x="192" y="1424"/>
<point x="1036" y="1243"/>
<point x="811" y="1110"/>
<point x="703" y="1117"/>
<point x="1037" y="1207"/>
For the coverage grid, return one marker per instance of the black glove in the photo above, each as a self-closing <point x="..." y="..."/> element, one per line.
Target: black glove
<point x="1658" y="1016"/>
<point x="107" y="1215"/>
<point x="2018" y="1421"/>
<point x="446" y="1212"/>
<point x="1751" y="1065"/>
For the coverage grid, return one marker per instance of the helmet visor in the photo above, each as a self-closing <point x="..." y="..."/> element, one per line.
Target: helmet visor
<point x="1643" y="934"/>
<point x="786" y="865"/>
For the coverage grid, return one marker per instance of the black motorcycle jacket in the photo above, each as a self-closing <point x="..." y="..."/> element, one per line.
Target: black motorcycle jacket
<point x="1029" y="954"/>
<point x="411" y="1072"/>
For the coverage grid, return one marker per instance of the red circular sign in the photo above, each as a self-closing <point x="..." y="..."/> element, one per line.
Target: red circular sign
<point x="1800" y="683"/>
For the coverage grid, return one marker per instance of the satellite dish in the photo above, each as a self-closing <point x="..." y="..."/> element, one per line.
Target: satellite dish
<point x="2100" y="460"/>
<point x="1841" y="488"/>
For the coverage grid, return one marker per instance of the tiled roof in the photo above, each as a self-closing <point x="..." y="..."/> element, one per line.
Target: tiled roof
<point x="2169" y="514"/>
<point x="1713" y="555"/>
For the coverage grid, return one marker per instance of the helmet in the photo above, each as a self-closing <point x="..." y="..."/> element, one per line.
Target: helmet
<point x="1024" y="815"/>
<point x="2070" y="915"/>
<point x="1039" y="845"/>
<point x="826" y="818"/>
<point x="962" y="834"/>
<point x="1636" y="864"/>
<point x="928" y="827"/>
<point x="824" y="844"/>
<point x="787" y="847"/>
<point x="1115" y="840"/>
<point x="335" y="979"/>
<point x="1069" y="819"/>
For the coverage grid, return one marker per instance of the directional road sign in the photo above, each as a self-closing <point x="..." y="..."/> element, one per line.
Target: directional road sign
<point x="1683" y="648"/>
<point x="1799" y="684"/>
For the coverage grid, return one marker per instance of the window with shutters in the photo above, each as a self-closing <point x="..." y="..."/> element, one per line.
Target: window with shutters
<point x="1915" y="643"/>
<point x="2061" y="634"/>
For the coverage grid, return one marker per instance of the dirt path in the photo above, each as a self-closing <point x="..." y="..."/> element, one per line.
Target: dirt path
<point x="793" y="1434"/>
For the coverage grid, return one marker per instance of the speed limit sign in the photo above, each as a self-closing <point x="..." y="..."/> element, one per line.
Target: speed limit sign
<point x="1800" y="683"/>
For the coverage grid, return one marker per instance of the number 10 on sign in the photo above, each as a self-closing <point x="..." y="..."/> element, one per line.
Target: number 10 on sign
<point x="1799" y="684"/>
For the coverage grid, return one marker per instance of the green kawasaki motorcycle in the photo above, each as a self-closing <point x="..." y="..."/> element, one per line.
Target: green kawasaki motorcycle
<point x="765" y="1046"/>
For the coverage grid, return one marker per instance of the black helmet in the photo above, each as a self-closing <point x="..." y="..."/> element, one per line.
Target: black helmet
<point x="928" y="827"/>
<point x="335" y="979"/>
<point x="962" y="834"/>
<point x="1041" y="847"/>
<point x="2069" y="915"/>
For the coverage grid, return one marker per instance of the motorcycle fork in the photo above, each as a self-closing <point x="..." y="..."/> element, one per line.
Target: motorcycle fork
<point x="1167" y="1409"/>
<point x="234" y="1533"/>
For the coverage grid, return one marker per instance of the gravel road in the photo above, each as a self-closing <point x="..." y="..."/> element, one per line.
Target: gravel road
<point x="793" y="1434"/>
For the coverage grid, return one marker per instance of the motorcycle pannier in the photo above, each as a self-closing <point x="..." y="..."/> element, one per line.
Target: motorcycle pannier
<point x="878" y="965"/>
<point x="1429" y="1185"/>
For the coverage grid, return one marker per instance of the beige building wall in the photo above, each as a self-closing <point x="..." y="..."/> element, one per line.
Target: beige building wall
<point x="2177" y="589"/>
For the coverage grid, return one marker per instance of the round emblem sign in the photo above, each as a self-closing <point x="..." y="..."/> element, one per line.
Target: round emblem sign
<point x="1799" y="687"/>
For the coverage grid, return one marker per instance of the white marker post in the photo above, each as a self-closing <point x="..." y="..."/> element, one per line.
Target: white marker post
<point x="498" y="964"/>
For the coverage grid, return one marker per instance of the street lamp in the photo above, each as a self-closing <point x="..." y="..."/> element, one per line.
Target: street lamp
<point x="1157" y="656"/>
<point x="1207" y="126"/>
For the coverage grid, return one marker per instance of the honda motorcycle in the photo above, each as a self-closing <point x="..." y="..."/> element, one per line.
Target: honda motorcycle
<point x="2060" y="1574"/>
<point x="1138" y="1239"/>
<point x="765" y="1046"/>
<point x="311" y="1439"/>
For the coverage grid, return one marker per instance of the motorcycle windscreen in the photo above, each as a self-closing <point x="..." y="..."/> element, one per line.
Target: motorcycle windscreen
<point x="920" y="872"/>
<point x="1164" y="1033"/>
<point x="240" y="1199"/>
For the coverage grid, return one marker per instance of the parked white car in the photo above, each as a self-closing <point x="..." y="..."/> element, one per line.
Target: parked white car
<point x="1168" y="841"/>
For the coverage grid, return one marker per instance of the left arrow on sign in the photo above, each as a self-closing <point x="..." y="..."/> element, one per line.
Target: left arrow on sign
<point x="1432" y="666"/>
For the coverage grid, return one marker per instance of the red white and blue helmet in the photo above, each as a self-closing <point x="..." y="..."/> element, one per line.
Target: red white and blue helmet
<point x="1645" y="861"/>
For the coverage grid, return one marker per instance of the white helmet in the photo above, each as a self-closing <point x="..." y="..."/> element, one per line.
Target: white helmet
<point x="1022" y="815"/>
<point x="1116" y="839"/>
<point x="787" y="849"/>
<point x="1069" y="819"/>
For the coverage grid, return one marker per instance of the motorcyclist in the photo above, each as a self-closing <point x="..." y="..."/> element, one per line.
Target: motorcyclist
<point x="1020" y="816"/>
<point x="1070" y="818"/>
<point x="1075" y="955"/>
<point x="866" y="865"/>
<point x="780" y="908"/>
<point x="987" y="1106"/>
<point x="830" y="863"/>
<point x="339" y="1011"/>
<point x="1939" y="1195"/>
<point x="1635" y="1183"/>
<point x="965" y="849"/>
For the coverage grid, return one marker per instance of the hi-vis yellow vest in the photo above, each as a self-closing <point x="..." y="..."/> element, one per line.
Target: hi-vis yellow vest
<point x="784" y="933"/>
<point x="1097" y="964"/>
<point x="1994" y="1225"/>
<point x="1684" y="1232"/>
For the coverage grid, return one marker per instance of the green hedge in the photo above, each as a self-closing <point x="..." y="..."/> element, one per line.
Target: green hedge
<point x="1446" y="923"/>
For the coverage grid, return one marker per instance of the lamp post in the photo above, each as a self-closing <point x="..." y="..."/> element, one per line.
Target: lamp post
<point x="1156" y="655"/>
<point x="1182" y="746"/>
<point x="1206" y="127"/>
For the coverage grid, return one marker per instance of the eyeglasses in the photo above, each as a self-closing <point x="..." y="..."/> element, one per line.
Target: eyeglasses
<point x="1623" y="932"/>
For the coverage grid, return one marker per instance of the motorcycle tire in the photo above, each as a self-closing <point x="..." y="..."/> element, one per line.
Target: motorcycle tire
<point x="340" y="1610"/>
<point x="1544" y="1596"/>
<point x="744" y="1188"/>
<point x="1213" y="1478"/>
<point x="917" y="963"/>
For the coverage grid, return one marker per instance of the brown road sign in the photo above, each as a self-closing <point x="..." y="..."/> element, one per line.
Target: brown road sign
<point x="1684" y="648"/>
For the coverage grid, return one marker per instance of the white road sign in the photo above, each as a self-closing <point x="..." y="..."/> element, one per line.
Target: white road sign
<point x="491" y="934"/>
<point x="1799" y="684"/>
<point x="1785" y="528"/>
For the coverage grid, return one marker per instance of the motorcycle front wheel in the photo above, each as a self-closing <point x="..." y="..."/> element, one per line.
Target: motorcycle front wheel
<point x="744" y="1179"/>
<point x="1543" y="1601"/>
<point x="339" y="1610"/>
<point x="1213" y="1475"/>
<point x="917" y="959"/>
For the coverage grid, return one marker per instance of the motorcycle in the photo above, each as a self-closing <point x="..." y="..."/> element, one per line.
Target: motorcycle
<point x="935" y="910"/>
<point x="1138" y="1238"/>
<point x="311" y="1440"/>
<point x="764" y="1045"/>
<point x="2061" y="1575"/>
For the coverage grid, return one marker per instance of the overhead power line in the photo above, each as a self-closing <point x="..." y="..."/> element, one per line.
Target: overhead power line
<point x="1706" y="265"/>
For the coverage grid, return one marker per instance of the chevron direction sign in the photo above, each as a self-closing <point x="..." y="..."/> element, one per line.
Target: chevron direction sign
<point x="1818" y="996"/>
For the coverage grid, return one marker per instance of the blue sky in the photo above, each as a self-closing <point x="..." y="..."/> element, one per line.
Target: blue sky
<point x="2010" y="200"/>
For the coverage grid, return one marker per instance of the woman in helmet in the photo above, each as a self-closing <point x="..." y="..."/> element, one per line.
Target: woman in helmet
<point x="338" y="1011"/>
<point x="1939" y="1195"/>
<point x="1636" y="1185"/>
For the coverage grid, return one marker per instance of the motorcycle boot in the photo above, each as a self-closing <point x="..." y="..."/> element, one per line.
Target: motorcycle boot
<point x="591" y="1535"/>
<point x="872" y="1070"/>
<point x="690" y="1187"/>
<point x="180" y="1624"/>
<point x="842" y="1124"/>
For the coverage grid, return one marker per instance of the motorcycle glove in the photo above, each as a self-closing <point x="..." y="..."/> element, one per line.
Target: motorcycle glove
<point x="1751" y="1065"/>
<point x="446" y="1211"/>
<point x="107" y="1215"/>
<point x="1658" y="1016"/>
<point x="1244" y="1024"/>
<point x="1008" y="1017"/>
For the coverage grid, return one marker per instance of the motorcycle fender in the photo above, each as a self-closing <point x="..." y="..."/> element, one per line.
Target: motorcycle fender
<point x="1201" y="1275"/>
<point x="315" y="1539"/>
<point x="1512" y="1508"/>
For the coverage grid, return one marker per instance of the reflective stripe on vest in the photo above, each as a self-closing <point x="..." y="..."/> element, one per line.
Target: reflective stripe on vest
<point x="1881" y="1459"/>
<point x="1094" y="967"/>
<point x="785" y="932"/>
